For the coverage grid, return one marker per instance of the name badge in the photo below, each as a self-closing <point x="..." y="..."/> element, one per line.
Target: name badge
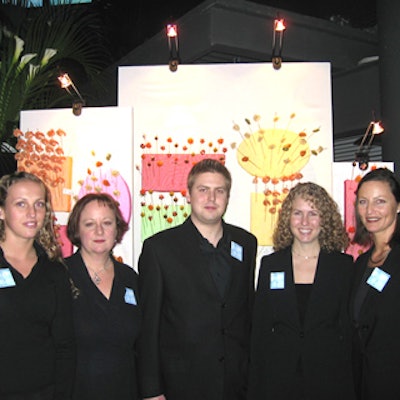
<point x="277" y="280"/>
<point x="130" y="296"/>
<point x="378" y="279"/>
<point x="6" y="278"/>
<point x="237" y="251"/>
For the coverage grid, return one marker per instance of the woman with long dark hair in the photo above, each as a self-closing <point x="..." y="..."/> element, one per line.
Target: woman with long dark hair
<point x="376" y="295"/>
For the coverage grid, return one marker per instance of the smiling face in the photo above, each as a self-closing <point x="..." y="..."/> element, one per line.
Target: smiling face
<point x="208" y="198"/>
<point x="24" y="210"/>
<point x="377" y="208"/>
<point x="97" y="228"/>
<point x="305" y="221"/>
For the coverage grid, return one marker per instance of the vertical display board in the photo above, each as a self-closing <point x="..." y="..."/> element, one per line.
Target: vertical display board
<point x="271" y="128"/>
<point x="77" y="155"/>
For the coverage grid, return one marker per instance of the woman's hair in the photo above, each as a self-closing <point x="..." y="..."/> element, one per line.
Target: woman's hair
<point x="75" y="216"/>
<point x="209" y="165"/>
<point x="361" y="235"/>
<point x="332" y="235"/>
<point x="46" y="236"/>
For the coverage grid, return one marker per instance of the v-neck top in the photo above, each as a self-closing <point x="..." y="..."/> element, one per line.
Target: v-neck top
<point x="106" y="332"/>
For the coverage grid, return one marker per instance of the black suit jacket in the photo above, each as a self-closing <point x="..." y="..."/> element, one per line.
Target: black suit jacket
<point x="287" y="358"/>
<point x="194" y="343"/>
<point x="378" y="332"/>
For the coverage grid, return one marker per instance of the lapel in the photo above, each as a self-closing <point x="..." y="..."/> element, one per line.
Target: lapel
<point x="284" y="301"/>
<point x="325" y="282"/>
<point x="194" y="260"/>
<point x="240" y="268"/>
<point x="324" y="290"/>
<point x="373" y="299"/>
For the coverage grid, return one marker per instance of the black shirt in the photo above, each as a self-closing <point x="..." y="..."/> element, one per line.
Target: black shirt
<point x="106" y="332"/>
<point x="36" y="331"/>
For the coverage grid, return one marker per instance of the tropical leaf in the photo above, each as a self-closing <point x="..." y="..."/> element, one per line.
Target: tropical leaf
<point x="55" y="39"/>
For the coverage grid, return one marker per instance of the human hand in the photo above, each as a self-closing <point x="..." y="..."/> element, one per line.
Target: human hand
<point x="161" y="397"/>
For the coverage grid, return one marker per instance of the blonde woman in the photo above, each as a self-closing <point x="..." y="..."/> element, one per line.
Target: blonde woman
<point x="36" y="331"/>
<point x="301" y="339"/>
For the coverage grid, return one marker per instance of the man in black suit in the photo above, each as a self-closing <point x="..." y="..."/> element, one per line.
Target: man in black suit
<point x="196" y="290"/>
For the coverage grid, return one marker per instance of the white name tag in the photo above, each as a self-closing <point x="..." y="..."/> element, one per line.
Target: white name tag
<point x="130" y="296"/>
<point x="378" y="279"/>
<point x="237" y="251"/>
<point x="277" y="280"/>
<point x="6" y="278"/>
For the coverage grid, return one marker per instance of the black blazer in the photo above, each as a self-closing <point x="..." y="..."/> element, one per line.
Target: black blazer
<point x="287" y="358"/>
<point x="194" y="343"/>
<point x="378" y="332"/>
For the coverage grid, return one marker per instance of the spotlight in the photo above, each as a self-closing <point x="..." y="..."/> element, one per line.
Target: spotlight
<point x="277" y="42"/>
<point x="362" y="153"/>
<point x="67" y="83"/>
<point x="173" y="46"/>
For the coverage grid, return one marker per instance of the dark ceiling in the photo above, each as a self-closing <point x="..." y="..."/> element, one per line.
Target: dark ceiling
<point x="132" y="23"/>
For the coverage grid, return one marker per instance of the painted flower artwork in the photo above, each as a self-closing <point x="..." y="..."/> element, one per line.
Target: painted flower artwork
<point x="102" y="178"/>
<point x="274" y="157"/>
<point x="42" y="154"/>
<point x="164" y="169"/>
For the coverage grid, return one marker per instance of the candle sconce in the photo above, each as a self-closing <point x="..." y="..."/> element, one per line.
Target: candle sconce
<point x="362" y="154"/>
<point x="173" y="46"/>
<point x="277" y="42"/>
<point x="67" y="84"/>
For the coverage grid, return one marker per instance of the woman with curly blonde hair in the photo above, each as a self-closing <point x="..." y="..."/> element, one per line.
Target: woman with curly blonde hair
<point x="36" y="329"/>
<point x="301" y="338"/>
<point x="332" y="235"/>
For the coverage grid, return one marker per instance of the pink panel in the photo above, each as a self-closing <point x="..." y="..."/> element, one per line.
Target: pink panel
<point x="168" y="172"/>
<point x="66" y="245"/>
<point x="104" y="180"/>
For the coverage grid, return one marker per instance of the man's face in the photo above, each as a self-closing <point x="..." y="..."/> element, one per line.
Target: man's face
<point x="208" y="198"/>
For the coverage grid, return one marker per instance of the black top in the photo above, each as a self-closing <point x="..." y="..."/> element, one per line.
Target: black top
<point x="303" y="291"/>
<point x="218" y="261"/>
<point x="36" y="332"/>
<point x="106" y="331"/>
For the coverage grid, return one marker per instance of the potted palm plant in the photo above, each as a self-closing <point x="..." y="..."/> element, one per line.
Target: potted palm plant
<point x="36" y="45"/>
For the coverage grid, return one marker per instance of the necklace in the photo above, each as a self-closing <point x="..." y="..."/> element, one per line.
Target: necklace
<point x="96" y="274"/>
<point x="305" y="257"/>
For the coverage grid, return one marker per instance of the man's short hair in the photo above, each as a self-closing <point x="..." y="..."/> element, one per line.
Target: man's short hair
<point x="209" y="165"/>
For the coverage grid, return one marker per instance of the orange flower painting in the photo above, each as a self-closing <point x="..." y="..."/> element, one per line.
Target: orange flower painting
<point x="42" y="154"/>
<point x="164" y="169"/>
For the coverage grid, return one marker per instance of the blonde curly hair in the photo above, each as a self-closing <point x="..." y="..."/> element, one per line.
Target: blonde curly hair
<point x="46" y="236"/>
<point x="332" y="237"/>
